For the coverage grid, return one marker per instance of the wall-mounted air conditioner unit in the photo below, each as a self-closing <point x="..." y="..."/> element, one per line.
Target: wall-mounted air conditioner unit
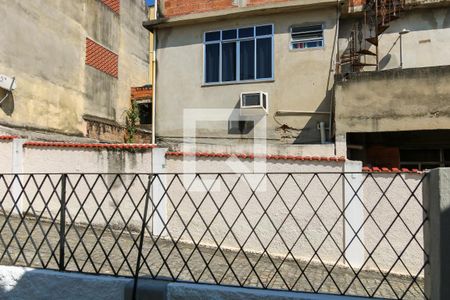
<point x="256" y="102"/>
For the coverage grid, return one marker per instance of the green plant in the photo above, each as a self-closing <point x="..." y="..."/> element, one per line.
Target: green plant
<point x="131" y="122"/>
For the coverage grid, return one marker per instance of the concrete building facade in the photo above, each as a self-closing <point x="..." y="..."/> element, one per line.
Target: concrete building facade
<point x="298" y="86"/>
<point x="394" y="110"/>
<point x="353" y="78"/>
<point x="72" y="60"/>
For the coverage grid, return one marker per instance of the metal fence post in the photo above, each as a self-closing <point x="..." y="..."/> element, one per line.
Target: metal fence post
<point x="141" y="238"/>
<point x="436" y="194"/>
<point x="62" y="229"/>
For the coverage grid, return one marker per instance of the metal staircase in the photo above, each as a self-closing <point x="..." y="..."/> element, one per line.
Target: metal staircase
<point x="362" y="50"/>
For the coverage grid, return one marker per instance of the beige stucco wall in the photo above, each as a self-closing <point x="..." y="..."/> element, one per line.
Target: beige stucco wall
<point x="43" y="46"/>
<point x="425" y="45"/>
<point x="301" y="78"/>
<point x="394" y="100"/>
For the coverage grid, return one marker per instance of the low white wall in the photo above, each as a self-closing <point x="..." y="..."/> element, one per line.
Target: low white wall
<point x="382" y="194"/>
<point x="108" y="190"/>
<point x="398" y="215"/>
<point x="78" y="160"/>
<point x="294" y="206"/>
<point x="265" y="198"/>
<point x="6" y="156"/>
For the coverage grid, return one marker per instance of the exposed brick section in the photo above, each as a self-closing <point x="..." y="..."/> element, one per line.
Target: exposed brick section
<point x="379" y="155"/>
<point x="111" y="132"/>
<point x="183" y="7"/>
<point x="141" y="93"/>
<point x="354" y="3"/>
<point x="101" y="58"/>
<point x="173" y="8"/>
<point x="114" y="5"/>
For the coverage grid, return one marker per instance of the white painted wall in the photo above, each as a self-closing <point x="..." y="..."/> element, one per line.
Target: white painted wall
<point x="108" y="191"/>
<point x="5" y="156"/>
<point x="385" y="216"/>
<point x="40" y="160"/>
<point x="342" y="191"/>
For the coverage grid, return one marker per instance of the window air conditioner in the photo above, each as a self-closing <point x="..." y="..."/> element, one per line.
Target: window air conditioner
<point x="255" y="101"/>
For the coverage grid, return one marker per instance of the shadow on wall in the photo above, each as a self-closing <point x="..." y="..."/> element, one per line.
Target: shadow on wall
<point x="7" y="105"/>
<point x="237" y="125"/>
<point x="18" y="283"/>
<point x="311" y="133"/>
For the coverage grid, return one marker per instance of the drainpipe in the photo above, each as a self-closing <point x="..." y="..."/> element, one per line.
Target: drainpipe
<point x="337" y="65"/>
<point x="323" y="137"/>
<point x="154" y="78"/>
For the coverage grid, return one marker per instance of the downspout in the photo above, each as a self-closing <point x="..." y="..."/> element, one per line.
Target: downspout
<point x="336" y="66"/>
<point x="154" y="78"/>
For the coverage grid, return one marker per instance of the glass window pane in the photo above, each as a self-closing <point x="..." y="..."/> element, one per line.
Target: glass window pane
<point x="307" y="36"/>
<point x="300" y="29"/>
<point x="229" y="61"/>
<point x="264" y="58"/>
<point x="229" y="34"/>
<point x="212" y="62"/>
<point x="247" y="57"/>
<point x="264" y="30"/>
<point x="246" y="32"/>
<point x="212" y="36"/>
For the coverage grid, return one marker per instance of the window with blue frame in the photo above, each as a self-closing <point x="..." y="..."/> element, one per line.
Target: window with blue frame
<point x="236" y="55"/>
<point x="307" y="37"/>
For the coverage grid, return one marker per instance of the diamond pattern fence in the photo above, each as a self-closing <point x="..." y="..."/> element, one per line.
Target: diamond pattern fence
<point x="340" y="233"/>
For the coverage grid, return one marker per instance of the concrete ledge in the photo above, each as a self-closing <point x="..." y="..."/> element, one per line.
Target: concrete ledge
<point x="31" y="284"/>
<point x="160" y="290"/>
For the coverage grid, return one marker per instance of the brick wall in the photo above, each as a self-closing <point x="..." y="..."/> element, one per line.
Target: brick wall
<point x="356" y="3"/>
<point x="183" y="7"/>
<point x="101" y="58"/>
<point x="114" y="5"/>
<point x="109" y="131"/>
<point x="141" y="93"/>
<point x="171" y="8"/>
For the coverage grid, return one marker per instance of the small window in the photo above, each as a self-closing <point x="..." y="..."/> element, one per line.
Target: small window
<point x="242" y="54"/>
<point x="307" y="37"/>
<point x="145" y="112"/>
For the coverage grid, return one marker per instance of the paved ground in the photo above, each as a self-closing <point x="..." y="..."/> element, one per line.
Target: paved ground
<point x="186" y="262"/>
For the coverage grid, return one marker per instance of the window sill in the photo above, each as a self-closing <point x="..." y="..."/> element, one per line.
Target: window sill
<point x="237" y="82"/>
<point x="306" y="49"/>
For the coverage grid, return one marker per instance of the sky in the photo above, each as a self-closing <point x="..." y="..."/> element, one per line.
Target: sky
<point x="150" y="2"/>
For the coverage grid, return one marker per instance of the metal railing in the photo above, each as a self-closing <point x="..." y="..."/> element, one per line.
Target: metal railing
<point x="341" y="233"/>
